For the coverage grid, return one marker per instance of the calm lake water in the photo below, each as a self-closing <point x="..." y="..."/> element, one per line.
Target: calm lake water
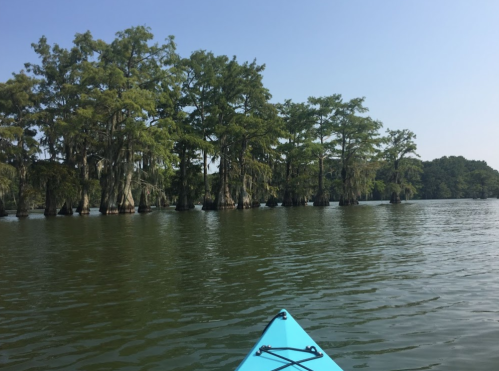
<point x="380" y="287"/>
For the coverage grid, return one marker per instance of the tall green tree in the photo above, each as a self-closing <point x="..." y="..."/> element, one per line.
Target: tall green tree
<point x="324" y="110"/>
<point x="123" y="80"/>
<point x="60" y="90"/>
<point x="411" y="181"/>
<point x="7" y="171"/>
<point x="18" y="102"/>
<point x="227" y="98"/>
<point x="164" y="131"/>
<point x="357" y="142"/>
<point x="199" y="89"/>
<point x="295" y="151"/>
<point x="400" y="145"/>
<point x="256" y="126"/>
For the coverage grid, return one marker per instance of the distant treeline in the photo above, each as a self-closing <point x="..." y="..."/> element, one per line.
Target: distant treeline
<point x="456" y="177"/>
<point x="109" y="124"/>
<point x="450" y="177"/>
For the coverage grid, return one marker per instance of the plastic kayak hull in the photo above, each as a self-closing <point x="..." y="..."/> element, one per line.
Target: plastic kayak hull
<point x="285" y="345"/>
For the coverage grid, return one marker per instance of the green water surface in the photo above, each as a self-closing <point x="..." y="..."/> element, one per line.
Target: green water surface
<point x="380" y="287"/>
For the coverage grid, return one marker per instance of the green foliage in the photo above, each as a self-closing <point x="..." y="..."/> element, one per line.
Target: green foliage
<point x="131" y="114"/>
<point x="400" y="145"/>
<point x="7" y="173"/>
<point x="64" y="180"/>
<point x="357" y="143"/>
<point x="457" y="177"/>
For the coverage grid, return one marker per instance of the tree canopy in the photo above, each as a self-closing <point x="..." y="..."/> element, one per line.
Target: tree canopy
<point x="112" y="124"/>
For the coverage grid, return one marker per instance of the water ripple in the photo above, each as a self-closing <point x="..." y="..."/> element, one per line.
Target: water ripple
<point x="410" y="287"/>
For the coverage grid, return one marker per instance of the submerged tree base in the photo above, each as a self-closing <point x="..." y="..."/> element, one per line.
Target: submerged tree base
<point x="300" y="201"/>
<point x="144" y="206"/>
<point x="287" y="199"/>
<point x="127" y="210"/>
<point x="271" y="202"/>
<point x="144" y="209"/>
<point x="321" y="200"/>
<point x="51" y="210"/>
<point x="224" y="202"/>
<point x="226" y="207"/>
<point x="244" y="205"/>
<point x="22" y="213"/>
<point x="395" y="198"/>
<point x="109" y="210"/>
<point x="244" y="201"/>
<point x="164" y="202"/>
<point x="348" y="202"/>
<point x="182" y="207"/>
<point x="50" y="201"/>
<point x="255" y="203"/>
<point x="82" y="210"/>
<point x="209" y="205"/>
<point x="66" y="210"/>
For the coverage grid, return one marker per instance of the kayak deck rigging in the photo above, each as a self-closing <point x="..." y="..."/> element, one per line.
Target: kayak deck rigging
<point x="284" y="344"/>
<point x="309" y="349"/>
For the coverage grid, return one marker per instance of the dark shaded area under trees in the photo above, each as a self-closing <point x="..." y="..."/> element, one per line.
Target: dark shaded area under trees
<point x="109" y="124"/>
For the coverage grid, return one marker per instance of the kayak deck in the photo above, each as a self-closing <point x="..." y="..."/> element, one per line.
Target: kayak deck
<point x="285" y="345"/>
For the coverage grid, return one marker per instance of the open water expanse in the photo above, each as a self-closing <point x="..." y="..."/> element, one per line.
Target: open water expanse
<point x="379" y="287"/>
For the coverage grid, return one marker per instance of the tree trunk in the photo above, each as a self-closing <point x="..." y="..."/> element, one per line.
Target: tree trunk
<point x="50" y="199"/>
<point x="112" y="175"/>
<point x="346" y="201"/>
<point x="255" y="201"/>
<point x="67" y="208"/>
<point x="127" y="204"/>
<point x="208" y="203"/>
<point x="395" y="198"/>
<point x="299" y="201"/>
<point x="84" y="205"/>
<point x="2" y="208"/>
<point x="224" y="199"/>
<point x="321" y="199"/>
<point x="108" y="195"/>
<point x="244" y="201"/>
<point x="144" y="206"/>
<point x="164" y="201"/>
<point x="271" y="202"/>
<point x="183" y="201"/>
<point x="287" y="199"/>
<point x="346" y="198"/>
<point x="22" y="207"/>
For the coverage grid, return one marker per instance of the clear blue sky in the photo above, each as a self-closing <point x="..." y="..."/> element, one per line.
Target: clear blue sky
<point x="428" y="66"/>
